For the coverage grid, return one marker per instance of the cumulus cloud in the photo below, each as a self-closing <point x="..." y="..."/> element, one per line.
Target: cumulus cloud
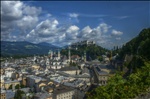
<point x="95" y="33"/>
<point x="50" y="31"/>
<point x="122" y="17"/>
<point x="11" y="10"/>
<point x="118" y="38"/>
<point x="72" y="29"/>
<point x="85" y="32"/>
<point x="45" y="29"/>
<point x="49" y="15"/>
<point x="74" y="15"/>
<point x="116" y="33"/>
<point x="17" y="15"/>
<point x="72" y="32"/>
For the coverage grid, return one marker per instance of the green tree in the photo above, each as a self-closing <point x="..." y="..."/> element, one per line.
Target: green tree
<point x="10" y="87"/>
<point x="17" y="86"/>
<point x="18" y="94"/>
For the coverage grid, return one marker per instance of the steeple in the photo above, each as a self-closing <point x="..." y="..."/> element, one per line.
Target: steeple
<point x="47" y="62"/>
<point x="34" y="60"/>
<point x="51" y="54"/>
<point x="84" y="56"/>
<point x="69" y="57"/>
<point x="58" y="54"/>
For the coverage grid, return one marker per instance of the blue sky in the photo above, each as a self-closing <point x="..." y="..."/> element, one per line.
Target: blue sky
<point x="108" y="23"/>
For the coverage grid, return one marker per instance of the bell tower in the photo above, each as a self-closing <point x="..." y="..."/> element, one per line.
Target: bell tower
<point x="69" y="54"/>
<point x="84" y="56"/>
<point x="58" y="54"/>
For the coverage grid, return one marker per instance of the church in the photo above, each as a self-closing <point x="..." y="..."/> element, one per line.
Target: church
<point x="57" y="61"/>
<point x="54" y="60"/>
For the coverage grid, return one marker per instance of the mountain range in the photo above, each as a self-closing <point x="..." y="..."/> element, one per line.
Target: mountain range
<point x="9" y="48"/>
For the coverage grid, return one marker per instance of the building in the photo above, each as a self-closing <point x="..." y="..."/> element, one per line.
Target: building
<point x="10" y="94"/>
<point x="72" y="70"/>
<point x="1" y="71"/>
<point x="101" y="75"/>
<point x="64" y="92"/>
<point x="54" y="60"/>
<point x="3" y="94"/>
<point x="32" y="80"/>
<point x="7" y="84"/>
<point x="42" y="96"/>
<point x="2" y="86"/>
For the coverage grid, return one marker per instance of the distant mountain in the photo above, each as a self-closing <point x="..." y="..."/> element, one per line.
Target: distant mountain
<point x="49" y="45"/>
<point x="25" y="48"/>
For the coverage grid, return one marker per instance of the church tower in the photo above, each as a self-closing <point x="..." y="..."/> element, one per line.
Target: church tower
<point x="47" y="62"/>
<point x="84" y="56"/>
<point x="34" y="60"/>
<point x="69" y="57"/>
<point x="51" y="54"/>
<point x="58" y="54"/>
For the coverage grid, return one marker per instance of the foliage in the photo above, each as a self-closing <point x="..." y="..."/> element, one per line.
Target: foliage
<point x="17" y="86"/>
<point x="138" y="80"/>
<point x="18" y="94"/>
<point x="92" y="52"/>
<point x="138" y="45"/>
<point x="22" y="86"/>
<point x="120" y="88"/>
<point x="10" y="87"/>
<point x="100" y="58"/>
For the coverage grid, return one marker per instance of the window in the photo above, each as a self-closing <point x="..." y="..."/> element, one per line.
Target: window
<point x="103" y="77"/>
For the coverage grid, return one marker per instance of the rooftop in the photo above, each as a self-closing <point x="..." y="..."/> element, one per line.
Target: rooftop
<point x="100" y="72"/>
<point x="62" y="89"/>
<point x="69" y="68"/>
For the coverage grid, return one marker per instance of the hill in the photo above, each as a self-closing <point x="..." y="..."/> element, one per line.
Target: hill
<point x="93" y="51"/>
<point x="138" y="45"/>
<point x="24" y="48"/>
<point x="49" y="45"/>
<point x="136" y="83"/>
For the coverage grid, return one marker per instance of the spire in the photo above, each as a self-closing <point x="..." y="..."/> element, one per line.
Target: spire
<point x="69" y="54"/>
<point x="84" y="56"/>
<point x="58" y="54"/>
<point x="51" y="54"/>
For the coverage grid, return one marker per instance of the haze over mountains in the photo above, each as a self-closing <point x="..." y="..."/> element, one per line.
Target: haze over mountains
<point x="25" y="48"/>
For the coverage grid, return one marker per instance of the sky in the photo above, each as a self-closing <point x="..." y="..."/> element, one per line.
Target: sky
<point x="108" y="23"/>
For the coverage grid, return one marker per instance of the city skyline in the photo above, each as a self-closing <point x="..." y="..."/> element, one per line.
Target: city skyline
<point x="108" y="23"/>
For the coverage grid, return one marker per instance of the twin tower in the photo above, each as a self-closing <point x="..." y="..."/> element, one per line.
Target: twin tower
<point x="53" y="55"/>
<point x="57" y="56"/>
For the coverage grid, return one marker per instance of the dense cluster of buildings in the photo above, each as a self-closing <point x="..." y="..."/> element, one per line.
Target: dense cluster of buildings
<point x="49" y="77"/>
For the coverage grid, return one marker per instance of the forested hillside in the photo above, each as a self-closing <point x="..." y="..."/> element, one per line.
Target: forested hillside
<point x="92" y="51"/>
<point x="140" y="45"/>
<point x="138" y="80"/>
